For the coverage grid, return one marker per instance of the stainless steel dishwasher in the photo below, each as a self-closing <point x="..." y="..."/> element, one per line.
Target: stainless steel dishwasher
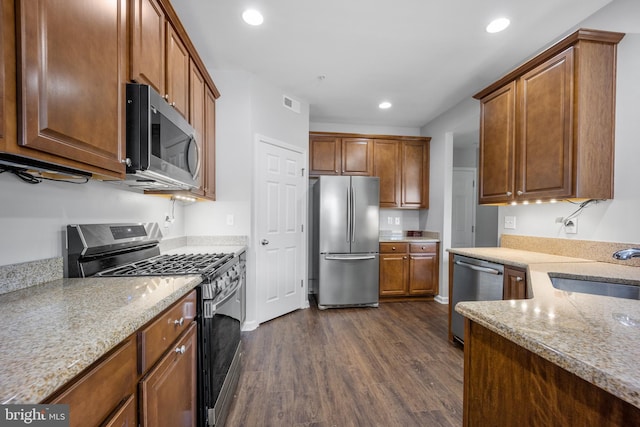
<point x="473" y="280"/>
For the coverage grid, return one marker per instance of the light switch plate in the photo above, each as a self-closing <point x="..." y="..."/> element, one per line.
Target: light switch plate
<point x="510" y="222"/>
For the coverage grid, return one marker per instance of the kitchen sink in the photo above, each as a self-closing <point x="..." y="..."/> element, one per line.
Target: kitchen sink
<point x="596" y="287"/>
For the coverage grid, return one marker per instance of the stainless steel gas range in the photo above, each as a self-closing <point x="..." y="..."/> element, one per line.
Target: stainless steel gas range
<point x="130" y="250"/>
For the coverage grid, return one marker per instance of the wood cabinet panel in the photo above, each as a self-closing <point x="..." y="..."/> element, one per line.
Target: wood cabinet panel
<point x="126" y="415"/>
<point x="7" y="75"/>
<point x="515" y="283"/>
<point x="415" y="174"/>
<point x="393" y="274"/>
<point x="357" y="156"/>
<point x="423" y="277"/>
<point x="386" y="166"/>
<point x="325" y="155"/>
<point x="168" y="392"/>
<point x="97" y="393"/>
<point x="177" y="79"/>
<point x="154" y="339"/>
<point x="507" y="385"/>
<point x="148" y="44"/>
<point x="497" y="155"/>
<point x="209" y="145"/>
<point x="546" y="135"/>
<point x="66" y="93"/>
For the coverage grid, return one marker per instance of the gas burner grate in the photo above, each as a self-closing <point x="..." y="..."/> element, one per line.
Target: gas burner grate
<point x="165" y="265"/>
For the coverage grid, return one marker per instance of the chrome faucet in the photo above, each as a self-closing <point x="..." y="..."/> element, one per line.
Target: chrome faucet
<point x="626" y="254"/>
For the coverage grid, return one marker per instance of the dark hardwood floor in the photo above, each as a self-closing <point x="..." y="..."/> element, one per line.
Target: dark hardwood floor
<point x="386" y="366"/>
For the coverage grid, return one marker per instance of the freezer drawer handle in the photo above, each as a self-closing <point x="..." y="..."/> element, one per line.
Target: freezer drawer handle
<point x="477" y="268"/>
<point x="342" y="258"/>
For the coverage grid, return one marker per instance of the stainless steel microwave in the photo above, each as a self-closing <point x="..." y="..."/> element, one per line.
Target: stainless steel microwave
<point x="162" y="149"/>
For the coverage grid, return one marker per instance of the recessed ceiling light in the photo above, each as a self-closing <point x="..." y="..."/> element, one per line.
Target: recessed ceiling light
<point x="498" y="25"/>
<point x="252" y="17"/>
<point x="384" y="105"/>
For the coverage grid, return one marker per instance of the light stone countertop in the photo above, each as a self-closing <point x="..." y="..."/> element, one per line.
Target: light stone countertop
<point x="408" y="239"/>
<point x="595" y="337"/>
<point x="53" y="331"/>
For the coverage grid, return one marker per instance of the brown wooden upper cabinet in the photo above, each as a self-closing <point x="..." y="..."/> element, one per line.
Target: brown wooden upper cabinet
<point x="7" y="74"/>
<point x="159" y="57"/>
<point x="547" y="128"/>
<point x="337" y="155"/>
<point x="65" y="94"/>
<point x="401" y="163"/>
<point x="403" y="168"/>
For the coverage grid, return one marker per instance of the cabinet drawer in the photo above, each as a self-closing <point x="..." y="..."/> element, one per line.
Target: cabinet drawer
<point x="125" y="416"/>
<point x="390" y="248"/>
<point x="96" y="394"/>
<point x="423" y="248"/>
<point x="158" y="336"/>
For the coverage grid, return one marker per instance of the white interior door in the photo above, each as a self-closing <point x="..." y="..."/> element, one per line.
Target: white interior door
<point x="463" y="207"/>
<point x="280" y="248"/>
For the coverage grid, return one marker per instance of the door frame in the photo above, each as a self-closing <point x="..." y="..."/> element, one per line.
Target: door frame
<point x="474" y="201"/>
<point x="303" y="239"/>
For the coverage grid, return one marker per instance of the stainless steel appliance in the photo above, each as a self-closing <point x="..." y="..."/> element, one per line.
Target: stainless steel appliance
<point x="346" y="223"/>
<point x="162" y="149"/>
<point x="473" y="280"/>
<point x="128" y="250"/>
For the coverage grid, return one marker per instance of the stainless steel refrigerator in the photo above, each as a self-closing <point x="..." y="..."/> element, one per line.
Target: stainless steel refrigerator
<point x="346" y="223"/>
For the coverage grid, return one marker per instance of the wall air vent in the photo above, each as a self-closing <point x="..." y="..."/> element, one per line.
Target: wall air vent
<point x="291" y="103"/>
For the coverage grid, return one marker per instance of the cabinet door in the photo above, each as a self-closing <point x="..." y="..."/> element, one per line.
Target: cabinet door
<point x="515" y="283"/>
<point x="177" y="72"/>
<point x="325" y="155"/>
<point x="97" y="394"/>
<point x="423" y="274"/>
<point x="545" y="133"/>
<point x="386" y="166"/>
<point x="393" y="274"/>
<point x="148" y="44"/>
<point x="357" y="156"/>
<point x="210" y="145"/>
<point x="168" y="392"/>
<point x="497" y="145"/>
<point x="73" y="65"/>
<point x="125" y="416"/>
<point x="196" y="116"/>
<point x="7" y="65"/>
<point x="415" y="174"/>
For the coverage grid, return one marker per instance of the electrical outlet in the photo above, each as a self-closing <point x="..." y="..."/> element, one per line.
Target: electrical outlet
<point x="510" y="222"/>
<point x="229" y="219"/>
<point x="397" y="220"/>
<point x="571" y="226"/>
<point x="390" y="220"/>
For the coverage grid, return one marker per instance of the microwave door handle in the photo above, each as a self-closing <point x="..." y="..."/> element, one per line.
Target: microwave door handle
<point x="198" y="157"/>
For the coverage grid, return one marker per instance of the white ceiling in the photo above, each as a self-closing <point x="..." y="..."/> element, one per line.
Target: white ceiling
<point x="424" y="56"/>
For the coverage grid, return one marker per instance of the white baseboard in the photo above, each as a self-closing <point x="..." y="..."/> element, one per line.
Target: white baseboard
<point x="441" y="299"/>
<point x="249" y="326"/>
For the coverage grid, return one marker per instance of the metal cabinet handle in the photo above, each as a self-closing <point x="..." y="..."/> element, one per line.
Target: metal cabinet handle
<point x="180" y="350"/>
<point x="393" y="248"/>
<point x="404" y="257"/>
<point x="509" y="193"/>
<point x="519" y="279"/>
<point x="519" y="193"/>
<point x="179" y="322"/>
<point x="166" y="96"/>
<point x="264" y="242"/>
<point x="173" y="104"/>
<point x="126" y="161"/>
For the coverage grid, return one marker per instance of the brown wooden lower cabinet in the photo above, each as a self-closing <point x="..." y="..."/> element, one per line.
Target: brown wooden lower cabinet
<point x="100" y="392"/>
<point x="408" y="269"/>
<point x="507" y="385"/>
<point x="168" y="392"/>
<point x="515" y="283"/>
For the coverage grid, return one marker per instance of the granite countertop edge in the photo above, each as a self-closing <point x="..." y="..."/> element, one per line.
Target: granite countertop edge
<point x="67" y="336"/>
<point x="575" y="331"/>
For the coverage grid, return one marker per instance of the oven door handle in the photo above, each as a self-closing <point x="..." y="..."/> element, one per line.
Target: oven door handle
<point x="236" y="285"/>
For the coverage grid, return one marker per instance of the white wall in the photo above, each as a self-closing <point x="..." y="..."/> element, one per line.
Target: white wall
<point x="32" y="217"/>
<point x="364" y="129"/>
<point x="614" y="220"/>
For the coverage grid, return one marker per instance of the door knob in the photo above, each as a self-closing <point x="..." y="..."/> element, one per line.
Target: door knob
<point x="264" y="242"/>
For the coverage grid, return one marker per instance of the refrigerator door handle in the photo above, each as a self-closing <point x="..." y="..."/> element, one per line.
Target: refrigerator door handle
<point x="348" y="231"/>
<point x="353" y="214"/>
<point x="348" y="258"/>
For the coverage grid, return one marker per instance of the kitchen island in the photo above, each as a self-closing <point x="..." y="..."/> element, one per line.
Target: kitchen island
<point x="559" y="358"/>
